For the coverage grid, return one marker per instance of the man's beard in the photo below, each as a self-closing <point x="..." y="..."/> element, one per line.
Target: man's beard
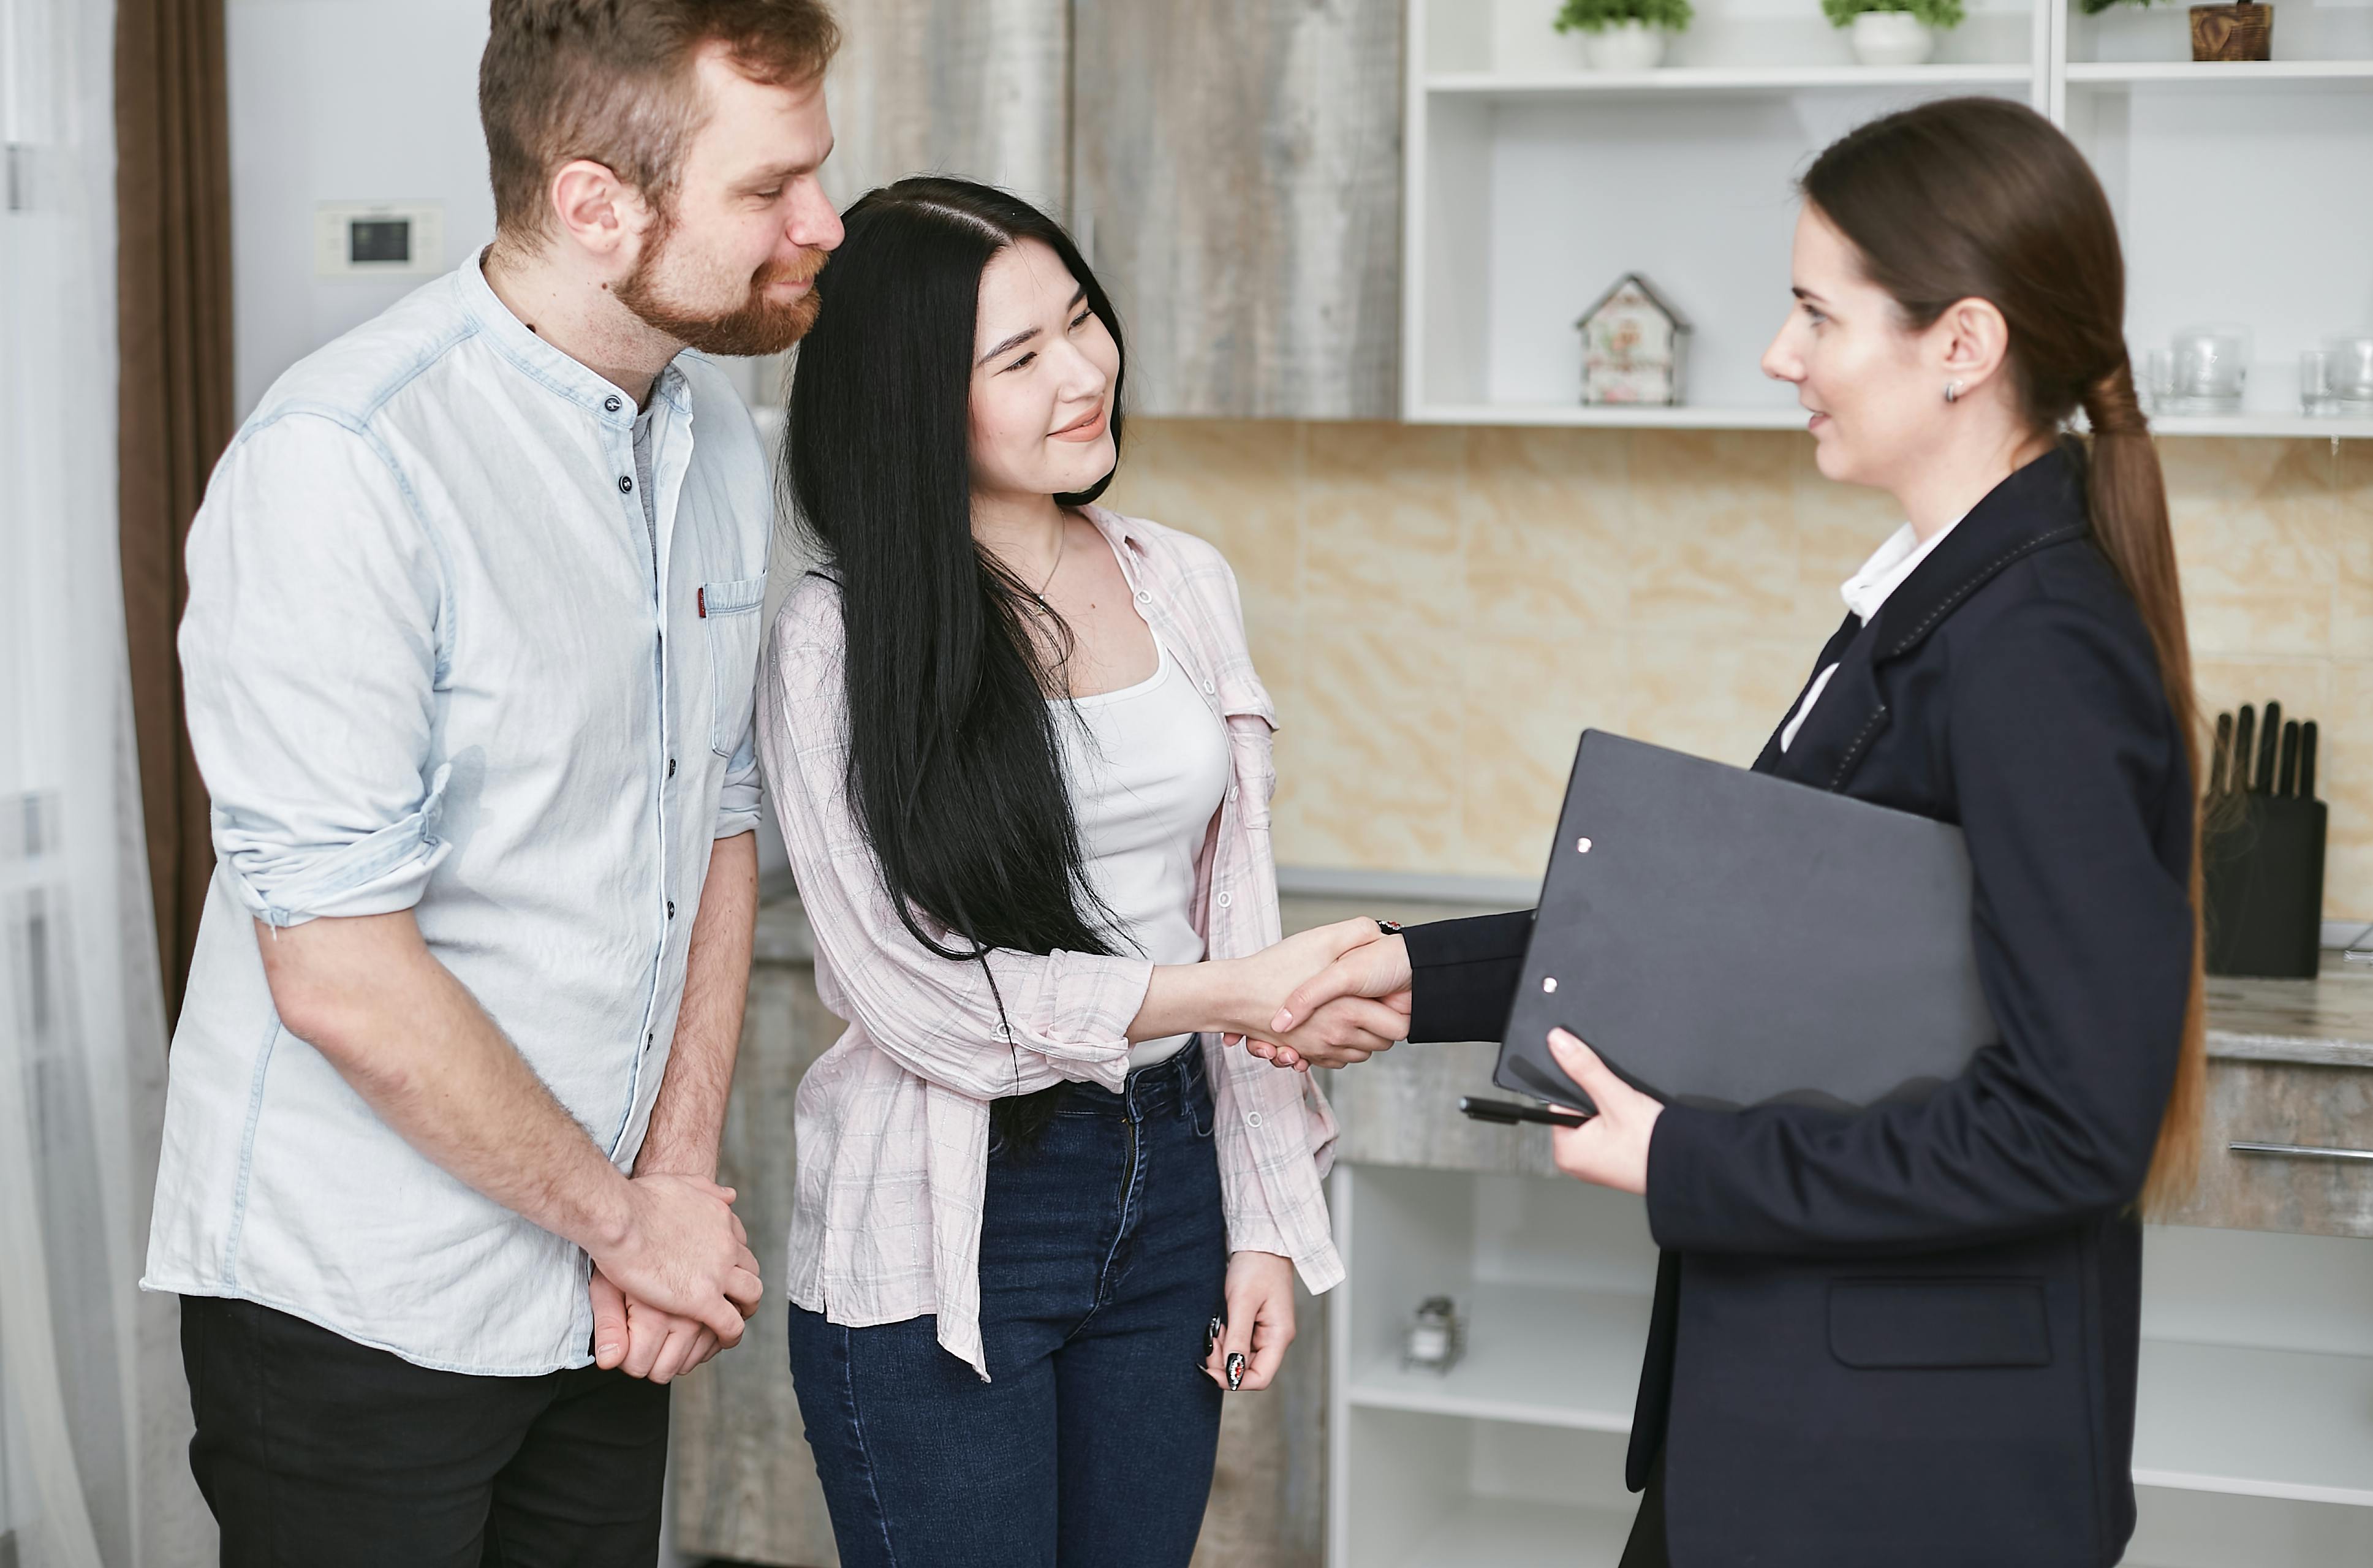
<point x="756" y="325"/>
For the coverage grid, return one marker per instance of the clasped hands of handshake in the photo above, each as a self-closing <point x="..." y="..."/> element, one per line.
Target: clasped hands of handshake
<point x="1331" y="996"/>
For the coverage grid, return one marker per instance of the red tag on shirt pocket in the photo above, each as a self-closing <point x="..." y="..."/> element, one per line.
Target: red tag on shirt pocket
<point x="700" y="599"/>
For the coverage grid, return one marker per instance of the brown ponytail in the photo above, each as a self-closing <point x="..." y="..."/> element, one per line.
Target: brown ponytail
<point x="1983" y="198"/>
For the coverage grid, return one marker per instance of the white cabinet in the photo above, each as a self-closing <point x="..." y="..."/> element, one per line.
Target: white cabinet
<point x="1532" y="183"/>
<point x="2254" y="1427"/>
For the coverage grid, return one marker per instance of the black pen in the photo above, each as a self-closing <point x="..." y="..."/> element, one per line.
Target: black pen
<point x="1507" y="1113"/>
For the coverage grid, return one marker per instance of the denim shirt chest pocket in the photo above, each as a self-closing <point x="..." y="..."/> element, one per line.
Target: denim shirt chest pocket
<point x="730" y="610"/>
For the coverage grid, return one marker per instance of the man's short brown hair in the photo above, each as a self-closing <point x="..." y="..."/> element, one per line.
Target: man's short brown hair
<point x="611" y="80"/>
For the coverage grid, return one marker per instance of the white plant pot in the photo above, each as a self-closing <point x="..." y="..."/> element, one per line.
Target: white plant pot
<point x="1891" y="37"/>
<point x="1626" y="46"/>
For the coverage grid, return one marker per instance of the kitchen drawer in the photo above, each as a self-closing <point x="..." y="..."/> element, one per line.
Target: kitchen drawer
<point x="2325" y="1112"/>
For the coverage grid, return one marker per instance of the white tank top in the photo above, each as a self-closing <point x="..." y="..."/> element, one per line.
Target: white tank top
<point x="1147" y="767"/>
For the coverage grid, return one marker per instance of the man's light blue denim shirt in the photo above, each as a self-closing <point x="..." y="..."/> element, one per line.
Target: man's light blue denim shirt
<point x="431" y="664"/>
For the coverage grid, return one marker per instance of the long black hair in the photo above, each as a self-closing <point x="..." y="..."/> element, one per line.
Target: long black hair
<point x="954" y="761"/>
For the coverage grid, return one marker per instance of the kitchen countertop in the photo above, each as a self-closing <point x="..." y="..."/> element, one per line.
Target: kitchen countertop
<point x="2326" y="1022"/>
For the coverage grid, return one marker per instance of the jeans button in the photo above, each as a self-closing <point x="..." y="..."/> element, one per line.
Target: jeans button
<point x="610" y="405"/>
<point x="626" y="484"/>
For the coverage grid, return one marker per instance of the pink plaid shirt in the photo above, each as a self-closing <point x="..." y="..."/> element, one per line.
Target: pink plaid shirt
<point x="893" y="1122"/>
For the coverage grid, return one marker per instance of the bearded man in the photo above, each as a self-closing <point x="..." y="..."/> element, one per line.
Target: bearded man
<point x="474" y="621"/>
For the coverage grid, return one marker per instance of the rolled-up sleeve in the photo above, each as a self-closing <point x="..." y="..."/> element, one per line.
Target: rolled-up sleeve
<point x="310" y="660"/>
<point x="738" y="805"/>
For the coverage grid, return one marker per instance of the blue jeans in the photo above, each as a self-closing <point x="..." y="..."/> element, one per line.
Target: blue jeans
<point x="1102" y="1260"/>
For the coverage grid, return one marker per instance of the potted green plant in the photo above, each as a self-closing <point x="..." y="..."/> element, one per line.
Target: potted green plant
<point x="1893" y="32"/>
<point x="1624" y="35"/>
<point x="2241" y="32"/>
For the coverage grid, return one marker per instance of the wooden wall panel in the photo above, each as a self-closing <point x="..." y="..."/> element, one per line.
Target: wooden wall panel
<point x="977" y="88"/>
<point x="1235" y="179"/>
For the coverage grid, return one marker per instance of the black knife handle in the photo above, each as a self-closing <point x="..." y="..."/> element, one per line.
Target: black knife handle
<point x="2216" y="756"/>
<point x="2245" y="736"/>
<point x="2286" y="781"/>
<point x="2270" y="741"/>
<point x="2307" y="760"/>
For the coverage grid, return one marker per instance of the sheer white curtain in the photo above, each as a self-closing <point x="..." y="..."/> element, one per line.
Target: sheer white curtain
<point x="92" y="1410"/>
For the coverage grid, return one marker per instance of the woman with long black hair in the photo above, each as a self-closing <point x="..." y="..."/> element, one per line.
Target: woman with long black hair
<point x="1022" y="761"/>
<point x="1909" y="1334"/>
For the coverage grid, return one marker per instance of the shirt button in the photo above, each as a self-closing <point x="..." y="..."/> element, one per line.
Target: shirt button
<point x="671" y="767"/>
<point x="1210" y="690"/>
<point x="1143" y="597"/>
<point x="1252" y="1119"/>
<point x="1232" y="793"/>
<point x="1227" y="900"/>
<point x="626" y="484"/>
<point x="609" y="404"/>
<point x="648" y="1039"/>
<point x="671" y="908"/>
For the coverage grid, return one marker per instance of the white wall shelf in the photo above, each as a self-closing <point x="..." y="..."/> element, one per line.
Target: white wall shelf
<point x="2251" y="1421"/>
<point x="1720" y="79"/>
<point x="1542" y="1356"/>
<point x="1532" y="183"/>
<point x="2246" y="74"/>
<point x="1612" y="416"/>
<point x="2254" y="1423"/>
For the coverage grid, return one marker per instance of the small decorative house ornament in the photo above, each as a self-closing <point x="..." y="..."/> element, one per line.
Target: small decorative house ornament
<point x="1634" y="345"/>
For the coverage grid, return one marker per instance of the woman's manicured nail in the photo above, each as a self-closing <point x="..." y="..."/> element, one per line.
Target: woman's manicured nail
<point x="1236" y="1370"/>
<point x="1211" y="1336"/>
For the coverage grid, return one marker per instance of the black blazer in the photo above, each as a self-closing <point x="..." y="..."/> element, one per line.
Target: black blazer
<point x="1908" y="1335"/>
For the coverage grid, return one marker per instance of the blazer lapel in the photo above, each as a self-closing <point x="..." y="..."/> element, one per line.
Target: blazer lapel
<point x="1771" y="758"/>
<point x="2040" y="506"/>
<point x="1851" y="714"/>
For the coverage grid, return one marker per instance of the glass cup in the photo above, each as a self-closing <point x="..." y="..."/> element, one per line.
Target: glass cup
<point x="2319" y="373"/>
<point x="2349" y="378"/>
<point x="2211" y="370"/>
<point x="2159" y="381"/>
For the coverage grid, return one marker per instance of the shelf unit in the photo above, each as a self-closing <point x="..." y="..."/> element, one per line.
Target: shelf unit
<point x="1532" y="182"/>
<point x="2254" y="1425"/>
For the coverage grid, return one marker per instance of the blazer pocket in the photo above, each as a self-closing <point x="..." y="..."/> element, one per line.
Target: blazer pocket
<point x="1906" y="1324"/>
<point x="731" y="611"/>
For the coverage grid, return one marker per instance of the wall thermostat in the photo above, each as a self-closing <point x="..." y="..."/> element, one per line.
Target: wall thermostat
<point x="379" y="239"/>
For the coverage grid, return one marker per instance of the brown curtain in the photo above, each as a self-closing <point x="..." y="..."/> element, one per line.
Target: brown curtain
<point x="173" y="316"/>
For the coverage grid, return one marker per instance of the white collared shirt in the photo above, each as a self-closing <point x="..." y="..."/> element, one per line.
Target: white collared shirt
<point x="437" y="659"/>
<point x="1864" y="592"/>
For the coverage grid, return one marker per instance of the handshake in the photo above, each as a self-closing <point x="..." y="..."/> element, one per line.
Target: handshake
<point x="1331" y="996"/>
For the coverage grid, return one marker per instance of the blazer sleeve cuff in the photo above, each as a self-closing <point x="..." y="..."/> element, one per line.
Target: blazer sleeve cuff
<point x="1462" y="975"/>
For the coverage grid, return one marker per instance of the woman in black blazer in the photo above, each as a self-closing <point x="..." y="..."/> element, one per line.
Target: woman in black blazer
<point x="1906" y="1338"/>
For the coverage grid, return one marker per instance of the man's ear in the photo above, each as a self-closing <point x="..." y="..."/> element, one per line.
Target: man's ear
<point x="602" y="214"/>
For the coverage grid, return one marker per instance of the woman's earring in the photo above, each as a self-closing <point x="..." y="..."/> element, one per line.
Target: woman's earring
<point x="1952" y="391"/>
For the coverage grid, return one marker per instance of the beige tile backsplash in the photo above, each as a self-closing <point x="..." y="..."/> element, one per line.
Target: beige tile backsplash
<point x="1439" y="611"/>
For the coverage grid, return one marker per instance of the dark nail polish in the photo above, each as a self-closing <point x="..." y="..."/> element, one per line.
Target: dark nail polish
<point x="1236" y="1370"/>
<point x="1211" y="1336"/>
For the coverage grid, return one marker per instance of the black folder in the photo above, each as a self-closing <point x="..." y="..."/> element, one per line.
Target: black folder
<point x="1722" y="938"/>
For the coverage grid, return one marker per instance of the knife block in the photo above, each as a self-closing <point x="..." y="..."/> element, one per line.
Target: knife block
<point x="2264" y="864"/>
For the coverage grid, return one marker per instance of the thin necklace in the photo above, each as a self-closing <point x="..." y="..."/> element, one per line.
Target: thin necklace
<point x="1062" y="537"/>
